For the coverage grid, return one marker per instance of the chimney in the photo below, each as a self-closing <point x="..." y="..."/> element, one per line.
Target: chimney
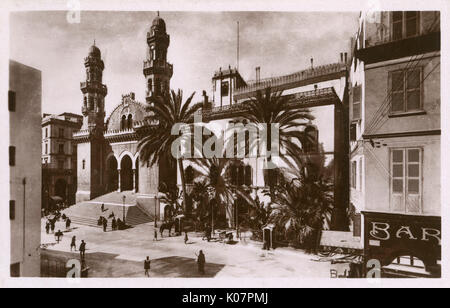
<point x="312" y="63"/>
<point x="342" y="57"/>
<point x="345" y="57"/>
<point x="258" y="74"/>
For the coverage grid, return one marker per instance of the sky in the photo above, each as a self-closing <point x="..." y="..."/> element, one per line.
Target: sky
<point x="200" y="43"/>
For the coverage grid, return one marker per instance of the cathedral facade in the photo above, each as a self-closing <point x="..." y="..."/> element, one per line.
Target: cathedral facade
<point x="107" y="147"/>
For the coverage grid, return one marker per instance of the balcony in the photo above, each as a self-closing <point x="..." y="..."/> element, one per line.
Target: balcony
<point x="101" y="88"/>
<point x="307" y="99"/>
<point x="152" y="66"/>
<point x="317" y="74"/>
<point x="407" y="36"/>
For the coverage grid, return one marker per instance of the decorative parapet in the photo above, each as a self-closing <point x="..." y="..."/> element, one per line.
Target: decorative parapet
<point x="326" y="72"/>
<point x="307" y="99"/>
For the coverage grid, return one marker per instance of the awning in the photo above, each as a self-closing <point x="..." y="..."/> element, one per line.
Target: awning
<point x="57" y="198"/>
<point x="269" y="227"/>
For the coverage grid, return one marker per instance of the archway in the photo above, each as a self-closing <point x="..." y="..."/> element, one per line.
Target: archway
<point x="60" y="188"/>
<point x="126" y="173"/>
<point x="111" y="174"/>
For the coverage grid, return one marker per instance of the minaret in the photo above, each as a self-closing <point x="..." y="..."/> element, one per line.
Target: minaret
<point x="156" y="69"/>
<point x="94" y="92"/>
<point x="91" y="147"/>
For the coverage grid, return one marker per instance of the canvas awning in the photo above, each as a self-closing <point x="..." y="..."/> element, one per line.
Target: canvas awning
<point x="269" y="227"/>
<point x="57" y="199"/>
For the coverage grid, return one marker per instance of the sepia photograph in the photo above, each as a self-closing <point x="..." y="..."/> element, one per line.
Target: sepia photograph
<point x="214" y="144"/>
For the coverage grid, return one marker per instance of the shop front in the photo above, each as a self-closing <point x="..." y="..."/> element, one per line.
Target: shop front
<point x="403" y="245"/>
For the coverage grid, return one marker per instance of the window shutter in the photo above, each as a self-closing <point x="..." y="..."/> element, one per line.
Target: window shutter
<point x="11" y="101"/>
<point x="12" y="156"/>
<point x="12" y="209"/>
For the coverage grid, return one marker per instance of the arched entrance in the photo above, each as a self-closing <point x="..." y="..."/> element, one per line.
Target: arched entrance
<point x="126" y="173"/>
<point x="60" y="188"/>
<point x="111" y="174"/>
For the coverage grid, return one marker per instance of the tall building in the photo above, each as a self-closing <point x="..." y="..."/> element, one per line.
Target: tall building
<point x="59" y="158"/>
<point x="395" y="139"/>
<point x="157" y="70"/>
<point x="24" y="103"/>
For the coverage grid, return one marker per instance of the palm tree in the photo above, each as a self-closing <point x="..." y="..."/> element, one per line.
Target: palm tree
<point x="170" y="196"/>
<point x="200" y="195"/>
<point x="304" y="201"/>
<point x="168" y="111"/>
<point x="273" y="108"/>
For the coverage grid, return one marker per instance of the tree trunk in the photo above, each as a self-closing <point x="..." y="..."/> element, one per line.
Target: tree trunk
<point x="183" y="184"/>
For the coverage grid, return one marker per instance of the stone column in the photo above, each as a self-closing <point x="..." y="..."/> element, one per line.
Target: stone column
<point x="118" y="182"/>
<point x="134" y="180"/>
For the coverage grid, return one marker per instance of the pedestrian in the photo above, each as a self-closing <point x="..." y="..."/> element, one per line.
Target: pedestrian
<point x="58" y="236"/>
<point x="186" y="238"/>
<point x="105" y="224"/>
<point x="82" y="249"/>
<point x="68" y="222"/>
<point x="47" y="227"/>
<point x="155" y="235"/>
<point x="201" y="262"/>
<point x="114" y="224"/>
<point x="52" y="226"/>
<point x="147" y="267"/>
<point x="103" y="207"/>
<point x="73" y="244"/>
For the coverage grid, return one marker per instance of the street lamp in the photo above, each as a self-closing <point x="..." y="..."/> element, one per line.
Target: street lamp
<point x="123" y="199"/>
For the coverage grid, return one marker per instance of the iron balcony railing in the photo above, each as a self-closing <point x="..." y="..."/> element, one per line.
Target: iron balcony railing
<point x="291" y="78"/>
<point x="295" y="100"/>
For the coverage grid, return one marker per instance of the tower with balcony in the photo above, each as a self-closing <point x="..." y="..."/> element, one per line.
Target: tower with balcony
<point x="157" y="70"/>
<point x="90" y="140"/>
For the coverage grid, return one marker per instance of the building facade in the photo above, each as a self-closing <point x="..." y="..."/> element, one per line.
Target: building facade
<point x="107" y="149"/>
<point x="24" y="103"/>
<point x="395" y="138"/>
<point x="319" y="89"/>
<point x="59" y="158"/>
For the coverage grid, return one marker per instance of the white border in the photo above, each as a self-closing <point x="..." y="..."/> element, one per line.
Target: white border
<point x="222" y="5"/>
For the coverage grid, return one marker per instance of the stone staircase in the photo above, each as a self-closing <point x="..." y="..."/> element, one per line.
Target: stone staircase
<point x="87" y="213"/>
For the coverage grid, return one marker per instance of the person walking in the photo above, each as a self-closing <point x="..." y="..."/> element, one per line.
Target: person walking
<point x="105" y="224"/>
<point x="147" y="267"/>
<point x="114" y="224"/>
<point x="186" y="238"/>
<point x="68" y="222"/>
<point x="58" y="236"/>
<point x="103" y="207"/>
<point x="47" y="227"/>
<point x="73" y="244"/>
<point x="155" y="235"/>
<point x="52" y="226"/>
<point x="201" y="260"/>
<point x="82" y="250"/>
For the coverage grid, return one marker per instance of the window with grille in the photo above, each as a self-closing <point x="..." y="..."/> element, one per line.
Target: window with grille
<point x="61" y="148"/>
<point x="406" y="180"/>
<point x="406" y="90"/>
<point x="225" y="87"/>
